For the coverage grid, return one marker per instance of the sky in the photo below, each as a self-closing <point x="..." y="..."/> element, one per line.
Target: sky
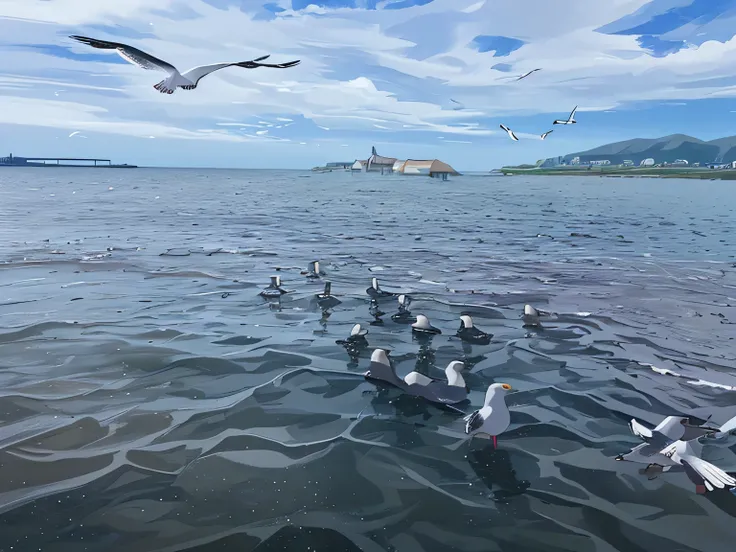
<point x="419" y="79"/>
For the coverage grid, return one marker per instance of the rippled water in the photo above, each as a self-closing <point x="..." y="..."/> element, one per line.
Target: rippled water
<point x="150" y="400"/>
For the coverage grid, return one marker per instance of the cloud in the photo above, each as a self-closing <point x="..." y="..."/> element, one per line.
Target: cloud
<point x="370" y="68"/>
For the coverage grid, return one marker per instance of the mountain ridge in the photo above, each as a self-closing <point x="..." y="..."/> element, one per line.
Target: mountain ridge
<point x="665" y="149"/>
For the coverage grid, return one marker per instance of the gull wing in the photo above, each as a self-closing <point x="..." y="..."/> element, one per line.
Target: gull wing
<point x="196" y="73"/>
<point x="572" y="114"/>
<point x="525" y="75"/>
<point x="473" y="422"/>
<point x="639" y="429"/>
<point x="654" y="438"/>
<point x="128" y="53"/>
<point x="255" y="63"/>
<point x="696" y="432"/>
<point x="701" y="472"/>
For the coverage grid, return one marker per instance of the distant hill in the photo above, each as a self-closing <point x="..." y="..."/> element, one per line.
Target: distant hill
<point x="666" y="149"/>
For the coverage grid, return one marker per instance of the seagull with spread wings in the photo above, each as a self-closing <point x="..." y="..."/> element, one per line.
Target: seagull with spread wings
<point x="525" y="75"/>
<point x="187" y="80"/>
<point x="570" y="120"/>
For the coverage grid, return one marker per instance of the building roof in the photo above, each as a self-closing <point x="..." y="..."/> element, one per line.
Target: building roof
<point x="433" y="165"/>
<point x="376" y="159"/>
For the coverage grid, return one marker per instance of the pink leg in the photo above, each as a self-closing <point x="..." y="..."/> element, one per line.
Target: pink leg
<point x="495" y="442"/>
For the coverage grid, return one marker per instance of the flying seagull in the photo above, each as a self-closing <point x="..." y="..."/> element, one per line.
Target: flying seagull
<point x="525" y="75"/>
<point x="669" y="430"/>
<point x="510" y="133"/>
<point x="544" y="135"/>
<point x="460" y="105"/>
<point x="188" y="80"/>
<point x="686" y="454"/>
<point x="570" y="119"/>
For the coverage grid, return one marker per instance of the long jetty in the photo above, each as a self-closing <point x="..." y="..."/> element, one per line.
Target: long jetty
<point x="12" y="161"/>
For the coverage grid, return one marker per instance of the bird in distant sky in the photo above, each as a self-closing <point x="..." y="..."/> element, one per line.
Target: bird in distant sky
<point x="459" y="107"/>
<point x="525" y="75"/>
<point x="187" y="80"/>
<point x="510" y="133"/>
<point x="545" y="134"/>
<point x="570" y="119"/>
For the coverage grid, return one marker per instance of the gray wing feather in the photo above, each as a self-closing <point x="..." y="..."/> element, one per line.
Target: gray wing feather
<point x="696" y="432"/>
<point x="712" y="476"/>
<point x="133" y="55"/>
<point x="474" y="422"/>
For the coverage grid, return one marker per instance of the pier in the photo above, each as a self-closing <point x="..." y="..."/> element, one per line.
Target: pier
<point x="12" y="161"/>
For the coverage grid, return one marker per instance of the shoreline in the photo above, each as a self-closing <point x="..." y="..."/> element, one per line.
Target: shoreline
<point x="635" y="172"/>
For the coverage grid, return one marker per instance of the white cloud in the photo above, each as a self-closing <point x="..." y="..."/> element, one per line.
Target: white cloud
<point x="361" y="71"/>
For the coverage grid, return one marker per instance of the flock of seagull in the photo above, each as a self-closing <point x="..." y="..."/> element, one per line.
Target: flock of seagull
<point x="569" y="121"/>
<point x="673" y="444"/>
<point x="189" y="79"/>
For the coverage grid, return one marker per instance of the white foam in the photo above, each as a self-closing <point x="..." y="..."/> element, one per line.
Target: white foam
<point x="663" y="371"/>
<point x="704" y="383"/>
<point x="430" y="282"/>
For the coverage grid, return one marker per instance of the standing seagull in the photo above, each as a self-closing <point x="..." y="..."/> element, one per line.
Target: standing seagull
<point x="570" y="119"/>
<point x="494" y="418"/>
<point x="188" y="80"/>
<point x="510" y="132"/>
<point x="525" y="75"/>
<point x="545" y="134"/>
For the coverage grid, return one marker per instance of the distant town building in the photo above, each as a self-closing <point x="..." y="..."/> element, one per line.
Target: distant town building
<point x="648" y="162"/>
<point x="339" y="165"/>
<point x="628" y="163"/>
<point x="575" y="161"/>
<point x="357" y="166"/>
<point x="601" y="162"/>
<point x="680" y="162"/>
<point x="378" y="163"/>
<point x="434" y="168"/>
<point x="733" y="164"/>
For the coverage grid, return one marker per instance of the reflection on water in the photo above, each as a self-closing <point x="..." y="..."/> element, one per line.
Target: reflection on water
<point x="150" y="399"/>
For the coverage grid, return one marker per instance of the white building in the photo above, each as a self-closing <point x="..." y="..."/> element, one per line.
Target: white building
<point x="680" y="162"/>
<point x="575" y="161"/>
<point x="601" y="162"/>
<point x="648" y="162"/>
<point x="628" y="163"/>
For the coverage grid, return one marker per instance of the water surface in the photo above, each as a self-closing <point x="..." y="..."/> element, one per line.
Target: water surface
<point x="150" y="400"/>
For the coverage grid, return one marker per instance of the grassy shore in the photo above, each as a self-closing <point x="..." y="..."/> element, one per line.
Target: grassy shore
<point x="700" y="173"/>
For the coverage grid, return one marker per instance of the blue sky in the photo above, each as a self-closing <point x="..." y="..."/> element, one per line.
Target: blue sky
<point x="415" y="78"/>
